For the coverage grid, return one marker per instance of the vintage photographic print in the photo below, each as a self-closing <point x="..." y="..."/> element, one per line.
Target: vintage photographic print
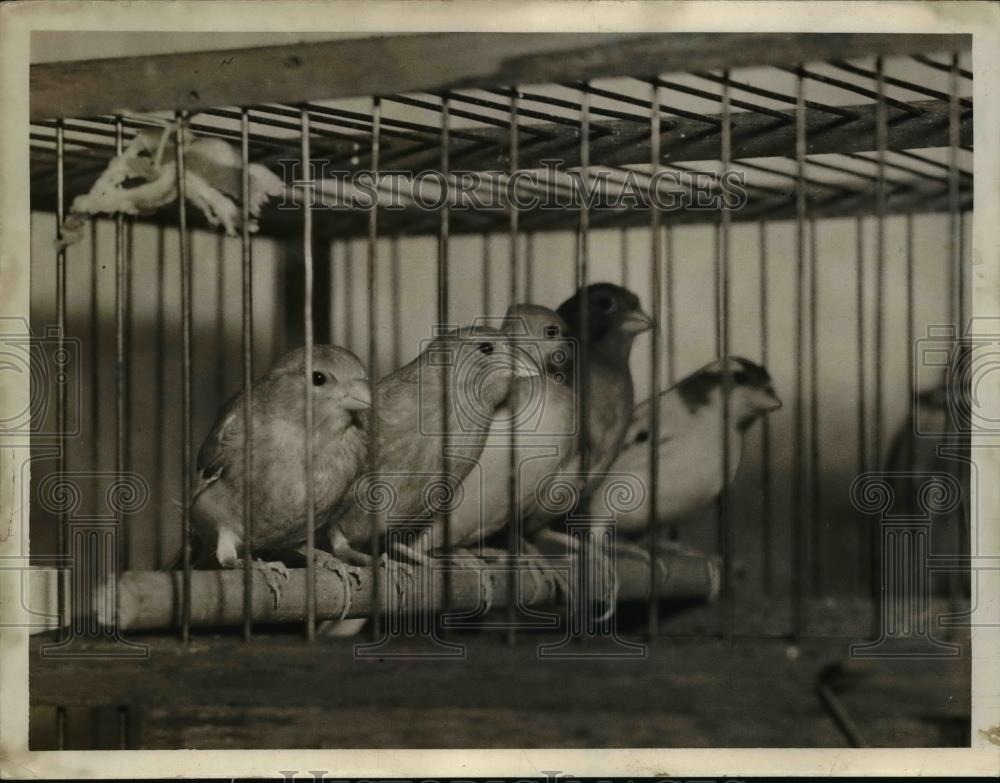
<point x="558" y="400"/>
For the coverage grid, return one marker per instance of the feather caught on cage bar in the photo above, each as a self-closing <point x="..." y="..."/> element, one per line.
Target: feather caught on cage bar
<point x="144" y="178"/>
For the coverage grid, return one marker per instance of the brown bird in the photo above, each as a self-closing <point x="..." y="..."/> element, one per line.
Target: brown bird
<point x="542" y="413"/>
<point x="472" y="369"/>
<point x="277" y="482"/>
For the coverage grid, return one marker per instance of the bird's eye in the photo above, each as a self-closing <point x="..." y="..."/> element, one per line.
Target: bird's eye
<point x="486" y="348"/>
<point x="642" y="436"/>
<point x="319" y="379"/>
<point x="606" y="303"/>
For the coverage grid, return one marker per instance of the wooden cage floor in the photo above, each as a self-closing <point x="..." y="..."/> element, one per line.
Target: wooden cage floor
<point x="278" y="691"/>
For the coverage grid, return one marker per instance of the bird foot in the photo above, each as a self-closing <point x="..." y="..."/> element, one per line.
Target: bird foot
<point x="345" y="571"/>
<point x="540" y="572"/>
<point x="492" y="553"/>
<point x="604" y="569"/>
<point x="466" y="559"/>
<point x="329" y="562"/>
<point x="275" y="575"/>
<point x="387" y="563"/>
<point x="462" y="557"/>
<point x="393" y="569"/>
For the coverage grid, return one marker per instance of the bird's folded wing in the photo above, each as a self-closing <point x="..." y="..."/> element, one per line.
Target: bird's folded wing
<point x="214" y="452"/>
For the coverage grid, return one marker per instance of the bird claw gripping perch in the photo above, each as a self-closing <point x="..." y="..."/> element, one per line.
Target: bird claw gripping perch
<point x="393" y="569"/>
<point x="601" y="567"/>
<point x="475" y="561"/>
<point x="345" y="572"/>
<point x="556" y="545"/>
<point x="143" y="178"/>
<point x="275" y="575"/>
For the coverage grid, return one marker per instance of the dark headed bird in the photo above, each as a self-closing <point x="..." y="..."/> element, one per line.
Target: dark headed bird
<point x="603" y="319"/>
<point x="614" y="317"/>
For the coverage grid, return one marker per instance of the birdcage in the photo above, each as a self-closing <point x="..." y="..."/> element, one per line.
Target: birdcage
<point x="800" y="200"/>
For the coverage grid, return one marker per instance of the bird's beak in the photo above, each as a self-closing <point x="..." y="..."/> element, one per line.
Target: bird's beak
<point x="524" y="367"/>
<point x="357" y="395"/>
<point x="771" y="402"/>
<point x="636" y="321"/>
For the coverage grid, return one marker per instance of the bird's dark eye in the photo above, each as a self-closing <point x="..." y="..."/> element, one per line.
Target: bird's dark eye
<point x="485" y="348"/>
<point x="318" y="379"/>
<point x="642" y="436"/>
<point x="606" y="303"/>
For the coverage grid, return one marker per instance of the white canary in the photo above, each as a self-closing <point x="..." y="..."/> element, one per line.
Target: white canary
<point x="690" y="474"/>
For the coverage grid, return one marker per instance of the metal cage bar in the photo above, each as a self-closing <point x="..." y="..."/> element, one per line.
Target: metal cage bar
<point x="373" y="427"/>
<point x="95" y="365"/>
<point x="669" y="322"/>
<point x="121" y="388"/>
<point x="515" y="522"/>
<point x="959" y="429"/>
<point x="246" y="334"/>
<point x="865" y="543"/>
<point x="881" y="131"/>
<point x="722" y="281"/>
<point x="798" y="524"/>
<point x="62" y="523"/>
<point x="582" y="277"/>
<point x="668" y="304"/>
<point x="954" y="218"/>
<point x="582" y="274"/>
<point x="653" y="619"/>
<point x="910" y="311"/>
<point x="396" y="298"/>
<point x="818" y="537"/>
<point x="767" y="532"/>
<point x="186" y="448"/>
<point x="487" y="270"/>
<point x="623" y="255"/>
<point x="307" y="316"/>
<point x="443" y="271"/>
<point x="529" y="265"/>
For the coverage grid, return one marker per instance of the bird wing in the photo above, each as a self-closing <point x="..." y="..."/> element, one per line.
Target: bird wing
<point x="611" y="406"/>
<point x="214" y="452"/>
<point x="672" y="423"/>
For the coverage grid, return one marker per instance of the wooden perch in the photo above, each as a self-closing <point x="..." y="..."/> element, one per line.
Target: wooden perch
<point x="151" y="600"/>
